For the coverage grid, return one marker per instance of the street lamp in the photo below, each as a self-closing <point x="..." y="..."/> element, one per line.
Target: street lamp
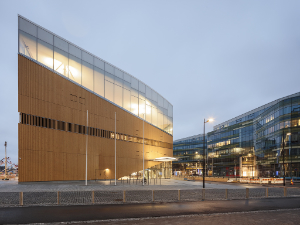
<point x="144" y="151"/>
<point x="203" y="172"/>
<point x="283" y="155"/>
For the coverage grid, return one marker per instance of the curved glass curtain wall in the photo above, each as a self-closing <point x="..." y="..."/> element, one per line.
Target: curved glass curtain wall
<point x="95" y="74"/>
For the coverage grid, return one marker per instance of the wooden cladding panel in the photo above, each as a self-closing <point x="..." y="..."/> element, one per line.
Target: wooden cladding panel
<point x="47" y="154"/>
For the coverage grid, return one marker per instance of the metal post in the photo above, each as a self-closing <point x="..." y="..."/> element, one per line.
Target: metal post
<point x="143" y="153"/>
<point x="93" y="197"/>
<point x="21" y="198"/>
<point x="86" y="147"/>
<point x="5" y="176"/>
<point x="115" y="149"/>
<point x="58" y="198"/>
<point x="212" y="167"/>
<point x="124" y="196"/>
<point x="283" y="157"/>
<point x="235" y="171"/>
<point x="203" y="168"/>
<point x="247" y="193"/>
<point x="267" y="192"/>
<point x="152" y="195"/>
<point x="178" y="195"/>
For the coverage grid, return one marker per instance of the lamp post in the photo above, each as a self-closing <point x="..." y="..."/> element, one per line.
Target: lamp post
<point x="283" y="155"/>
<point x="144" y="152"/>
<point x="5" y="173"/>
<point x="204" y="147"/>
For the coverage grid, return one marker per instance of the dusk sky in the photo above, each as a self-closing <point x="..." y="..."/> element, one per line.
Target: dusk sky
<point x="210" y="59"/>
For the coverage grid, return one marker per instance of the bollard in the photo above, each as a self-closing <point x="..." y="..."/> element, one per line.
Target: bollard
<point x="110" y="181"/>
<point x="58" y="198"/>
<point x="247" y="193"/>
<point x="267" y="192"/>
<point x="178" y="195"/>
<point x="93" y="197"/>
<point x="124" y="196"/>
<point x="285" y="190"/>
<point x="160" y="181"/>
<point x="121" y="180"/>
<point x="226" y="194"/>
<point x="152" y="195"/>
<point x="127" y="180"/>
<point x="203" y="194"/>
<point x="21" y="198"/>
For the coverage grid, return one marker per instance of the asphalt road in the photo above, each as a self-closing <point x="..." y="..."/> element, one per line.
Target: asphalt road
<point x="274" y="217"/>
<point x="50" y="214"/>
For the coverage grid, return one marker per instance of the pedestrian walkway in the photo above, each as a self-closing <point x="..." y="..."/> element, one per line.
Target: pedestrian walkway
<point x="163" y="184"/>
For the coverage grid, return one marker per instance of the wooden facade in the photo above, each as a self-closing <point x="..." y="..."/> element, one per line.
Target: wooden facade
<point x="47" y="154"/>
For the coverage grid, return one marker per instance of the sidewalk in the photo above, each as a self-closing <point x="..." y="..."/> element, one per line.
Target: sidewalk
<point x="164" y="184"/>
<point x="52" y="214"/>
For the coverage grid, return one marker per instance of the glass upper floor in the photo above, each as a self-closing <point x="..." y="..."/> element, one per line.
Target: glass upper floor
<point x="94" y="74"/>
<point x="253" y="114"/>
<point x="262" y="132"/>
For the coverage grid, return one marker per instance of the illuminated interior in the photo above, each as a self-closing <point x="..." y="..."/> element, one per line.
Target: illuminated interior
<point x="95" y="74"/>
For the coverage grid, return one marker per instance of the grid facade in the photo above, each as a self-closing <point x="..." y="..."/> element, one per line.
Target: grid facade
<point x="264" y="142"/>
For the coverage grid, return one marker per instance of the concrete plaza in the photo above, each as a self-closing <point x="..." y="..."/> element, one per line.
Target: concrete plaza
<point x="164" y="184"/>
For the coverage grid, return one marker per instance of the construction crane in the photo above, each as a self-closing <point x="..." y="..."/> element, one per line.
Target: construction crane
<point x="27" y="48"/>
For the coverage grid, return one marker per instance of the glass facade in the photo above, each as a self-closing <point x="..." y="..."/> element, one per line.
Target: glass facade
<point x="264" y="142"/>
<point x="94" y="74"/>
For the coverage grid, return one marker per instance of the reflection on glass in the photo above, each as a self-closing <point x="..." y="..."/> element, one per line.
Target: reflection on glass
<point x="148" y="113"/>
<point x="118" y="95"/>
<point x="75" y="69"/>
<point x="87" y="75"/>
<point x="27" y="45"/>
<point x="154" y="116"/>
<point x="126" y="99"/>
<point x="134" y="83"/>
<point x="160" y="101"/>
<point x="109" y="91"/>
<point x="61" y="62"/>
<point x="109" y="77"/>
<point x="45" y="53"/>
<point x="134" y="105"/>
<point x="99" y="81"/>
<point x="160" y="120"/>
<point x="141" y="108"/>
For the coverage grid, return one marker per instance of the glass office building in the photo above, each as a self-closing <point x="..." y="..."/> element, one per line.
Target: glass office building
<point x="94" y="74"/>
<point x="264" y="142"/>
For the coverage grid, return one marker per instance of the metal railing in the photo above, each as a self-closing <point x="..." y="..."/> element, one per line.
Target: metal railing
<point x="138" y="196"/>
